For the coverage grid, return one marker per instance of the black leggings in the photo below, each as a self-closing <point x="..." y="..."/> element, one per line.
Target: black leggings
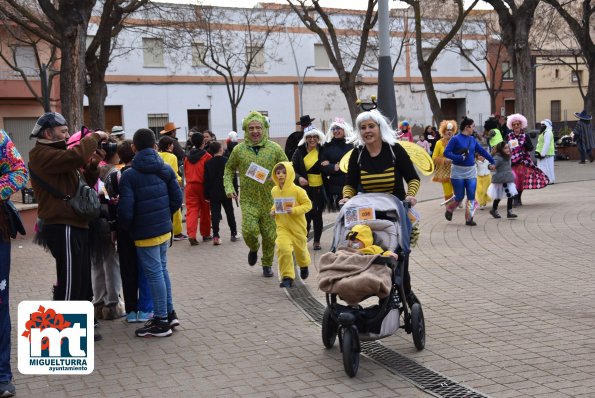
<point x="314" y="216"/>
<point x="508" y="204"/>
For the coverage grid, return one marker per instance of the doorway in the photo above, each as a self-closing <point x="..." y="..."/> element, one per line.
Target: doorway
<point x="509" y="106"/>
<point x="198" y="118"/>
<point x="453" y="108"/>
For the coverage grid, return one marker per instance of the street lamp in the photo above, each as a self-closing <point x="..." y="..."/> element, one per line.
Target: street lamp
<point x="301" y="87"/>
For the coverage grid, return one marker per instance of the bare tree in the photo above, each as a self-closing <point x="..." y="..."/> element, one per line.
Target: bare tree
<point x="235" y="44"/>
<point x="515" y="24"/>
<point x="579" y="20"/>
<point x="319" y="21"/>
<point x="45" y="57"/>
<point x="425" y="65"/>
<point x="62" y="23"/>
<point x="489" y="50"/>
<point x="99" y="51"/>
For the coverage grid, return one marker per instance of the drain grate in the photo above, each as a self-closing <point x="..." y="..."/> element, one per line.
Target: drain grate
<point x="426" y="379"/>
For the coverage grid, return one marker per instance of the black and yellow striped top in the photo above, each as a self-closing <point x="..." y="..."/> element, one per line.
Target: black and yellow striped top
<point x="378" y="174"/>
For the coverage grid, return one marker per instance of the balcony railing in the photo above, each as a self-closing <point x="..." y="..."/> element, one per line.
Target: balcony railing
<point x="10" y="74"/>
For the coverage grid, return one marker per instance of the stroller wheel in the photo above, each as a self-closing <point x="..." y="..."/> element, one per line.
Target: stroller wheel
<point x="350" y="348"/>
<point x="329" y="329"/>
<point x="418" y="327"/>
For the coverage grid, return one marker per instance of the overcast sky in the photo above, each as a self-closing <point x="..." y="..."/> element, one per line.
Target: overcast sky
<point x="352" y="4"/>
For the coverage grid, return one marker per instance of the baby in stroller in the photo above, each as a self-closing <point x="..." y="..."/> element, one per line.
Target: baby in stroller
<point x="361" y="238"/>
<point x="368" y="257"/>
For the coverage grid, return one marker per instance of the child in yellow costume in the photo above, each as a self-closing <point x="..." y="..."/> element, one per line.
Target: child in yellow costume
<point x="166" y="149"/>
<point x="361" y="239"/>
<point x="291" y="203"/>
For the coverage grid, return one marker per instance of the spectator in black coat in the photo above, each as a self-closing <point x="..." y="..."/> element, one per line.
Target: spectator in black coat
<point x="294" y="138"/>
<point x="215" y="193"/>
<point x="337" y="145"/>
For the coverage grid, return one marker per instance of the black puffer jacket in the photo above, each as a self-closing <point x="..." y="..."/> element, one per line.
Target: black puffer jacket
<point x="334" y="151"/>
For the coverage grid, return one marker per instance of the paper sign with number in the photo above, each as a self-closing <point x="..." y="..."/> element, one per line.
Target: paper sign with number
<point x="366" y="213"/>
<point x="257" y="173"/>
<point x="513" y="143"/>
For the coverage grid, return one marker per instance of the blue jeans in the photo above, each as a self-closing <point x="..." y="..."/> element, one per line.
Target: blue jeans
<point x="5" y="373"/>
<point x="153" y="261"/>
<point x="461" y="185"/>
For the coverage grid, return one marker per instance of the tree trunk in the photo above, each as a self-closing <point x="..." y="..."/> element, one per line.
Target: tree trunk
<point x="72" y="74"/>
<point x="96" y="93"/>
<point x="524" y="74"/>
<point x="426" y="74"/>
<point x="234" y="116"/>
<point x="589" y="101"/>
<point x="492" y="102"/>
<point x="348" y="89"/>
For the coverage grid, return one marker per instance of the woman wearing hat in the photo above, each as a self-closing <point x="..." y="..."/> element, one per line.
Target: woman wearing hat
<point x="308" y="175"/>
<point x="583" y="135"/>
<point x="441" y="163"/>
<point x="336" y="146"/>
<point x="170" y="131"/>
<point x="527" y="175"/>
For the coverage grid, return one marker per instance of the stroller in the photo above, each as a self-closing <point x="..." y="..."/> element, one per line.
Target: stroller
<point x="353" y="323"/>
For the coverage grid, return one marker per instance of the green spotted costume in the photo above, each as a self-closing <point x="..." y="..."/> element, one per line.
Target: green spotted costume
<point x="255" y="198"/>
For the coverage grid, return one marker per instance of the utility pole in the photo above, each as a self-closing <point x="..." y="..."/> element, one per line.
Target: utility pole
<point x="387" y="103"/>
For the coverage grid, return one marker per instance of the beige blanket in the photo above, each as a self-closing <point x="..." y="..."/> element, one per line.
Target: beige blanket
<point x="352" y="276"/>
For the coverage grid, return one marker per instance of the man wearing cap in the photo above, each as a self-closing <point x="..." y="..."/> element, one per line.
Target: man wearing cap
<point x="254" y="159"/>
<point x="583" y="135"/>
<point x="294" y="138"/>
<point x="170" y="130"/>
<point x="61" y="229"/>
<point x="118" y="133"/>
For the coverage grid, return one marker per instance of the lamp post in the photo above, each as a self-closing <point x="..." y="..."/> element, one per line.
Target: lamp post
<point x="301" y="88"/>
<point x="387" y="103"/>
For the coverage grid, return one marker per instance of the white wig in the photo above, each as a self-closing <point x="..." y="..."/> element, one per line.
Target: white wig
<point x="341" y="123"/>
<point x="547" y="123"/>
<point x="233" y="136"/>
<point x="311" y="130"/>
<point x="387" y="134"/>
<point x="516" y="117"/>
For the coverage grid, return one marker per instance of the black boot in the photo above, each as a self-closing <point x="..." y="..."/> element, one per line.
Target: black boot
<point x="510" y="214"/>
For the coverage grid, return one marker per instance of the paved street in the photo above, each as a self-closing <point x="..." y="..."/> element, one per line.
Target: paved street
<point x="508" y="306"/>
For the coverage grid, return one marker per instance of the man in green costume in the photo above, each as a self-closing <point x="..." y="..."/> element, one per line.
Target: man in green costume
<point x="254" y="159"/>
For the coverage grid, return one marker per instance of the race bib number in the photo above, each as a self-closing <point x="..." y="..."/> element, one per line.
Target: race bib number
<point x="513" y="143"/>
<point x="257" y="173"/>
<point x="358" y="214"/>
<point x="283" y="205"/>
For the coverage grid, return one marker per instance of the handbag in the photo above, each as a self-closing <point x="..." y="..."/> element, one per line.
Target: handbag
<point x="84" y="202"/>
<point x="15" y="223"/>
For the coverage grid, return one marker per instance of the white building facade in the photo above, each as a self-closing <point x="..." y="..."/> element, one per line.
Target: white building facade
<point x="154" y="84"/>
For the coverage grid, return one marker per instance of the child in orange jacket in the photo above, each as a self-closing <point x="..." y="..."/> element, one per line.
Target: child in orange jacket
<point x="197" y="206"/>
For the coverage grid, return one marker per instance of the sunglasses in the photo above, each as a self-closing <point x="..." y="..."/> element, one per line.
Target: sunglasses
<point x="311" y="136"/>
<point x="336" y="129"/>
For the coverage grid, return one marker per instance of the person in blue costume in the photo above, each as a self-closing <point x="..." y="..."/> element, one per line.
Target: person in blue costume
<point x="463" y="174"/>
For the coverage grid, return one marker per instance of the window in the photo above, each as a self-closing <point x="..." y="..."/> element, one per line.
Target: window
<point x="153" y="52"/>
<point x="25" y="59"/>
<point x="577" y="76"/>
<point x="557" y="73"/>
<point x="465" y="64"/>
<point x="507" y="71"/>
<point x="257" y="55"/>
<point x="556" y="110"/>
<point x="198" y="52"/>
<point x="321" y="59"/>
<point x="156" y="121"/>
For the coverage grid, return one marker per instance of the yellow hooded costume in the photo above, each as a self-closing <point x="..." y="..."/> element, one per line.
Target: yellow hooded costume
<point x="291" y="203"/>
<point x="363" y="233"/>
